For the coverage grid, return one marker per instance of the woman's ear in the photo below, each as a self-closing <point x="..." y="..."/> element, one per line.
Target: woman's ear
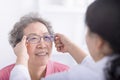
<point x="99" y="42"/>
<point x="103" y="46"/>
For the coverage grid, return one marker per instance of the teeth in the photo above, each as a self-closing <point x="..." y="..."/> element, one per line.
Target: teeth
<point x="41" y="54"/>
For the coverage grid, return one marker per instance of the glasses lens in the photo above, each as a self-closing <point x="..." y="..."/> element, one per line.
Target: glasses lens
<point x="33" y="39"/>
<point x="48" y="38"/>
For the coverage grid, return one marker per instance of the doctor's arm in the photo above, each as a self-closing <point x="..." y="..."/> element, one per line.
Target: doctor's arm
<point x="63" y="44"/>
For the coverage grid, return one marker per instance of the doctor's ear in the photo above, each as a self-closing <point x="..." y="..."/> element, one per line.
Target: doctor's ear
<point x="103" y="46"/>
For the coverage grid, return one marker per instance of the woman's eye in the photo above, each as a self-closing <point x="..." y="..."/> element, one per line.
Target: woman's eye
<point x="33" y="38"/>
<point x="47" y="38"/>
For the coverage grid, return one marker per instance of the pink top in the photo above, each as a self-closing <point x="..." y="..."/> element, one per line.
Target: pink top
<point x="52" y="67"/>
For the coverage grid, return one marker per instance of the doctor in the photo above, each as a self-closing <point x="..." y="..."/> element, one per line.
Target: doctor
<point x="103" y="41"/>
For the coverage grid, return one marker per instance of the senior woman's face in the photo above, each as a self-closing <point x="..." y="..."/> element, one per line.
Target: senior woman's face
<point x="38" y="45"/>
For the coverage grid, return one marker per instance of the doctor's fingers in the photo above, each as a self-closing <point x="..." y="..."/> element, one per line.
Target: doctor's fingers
<point x="59" y="45"/>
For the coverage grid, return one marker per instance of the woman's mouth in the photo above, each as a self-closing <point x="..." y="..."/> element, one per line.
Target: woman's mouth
<point x="41" y="53"/>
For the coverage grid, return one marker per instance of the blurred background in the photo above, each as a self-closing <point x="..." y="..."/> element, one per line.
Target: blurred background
<point x="66" y="16"/>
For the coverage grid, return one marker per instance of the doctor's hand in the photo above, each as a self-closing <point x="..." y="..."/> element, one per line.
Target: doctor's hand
<point x="21" y="52"/>
<point x="62" y="43"/>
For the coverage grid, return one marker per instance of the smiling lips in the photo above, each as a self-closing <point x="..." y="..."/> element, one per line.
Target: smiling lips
<point x="42" y="53"/>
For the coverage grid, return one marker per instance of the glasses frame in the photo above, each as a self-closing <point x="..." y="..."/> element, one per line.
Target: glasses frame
<point x="51" y="36"/>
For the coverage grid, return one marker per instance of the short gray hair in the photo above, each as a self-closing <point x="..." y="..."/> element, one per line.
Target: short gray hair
<point x="16" y="33"/>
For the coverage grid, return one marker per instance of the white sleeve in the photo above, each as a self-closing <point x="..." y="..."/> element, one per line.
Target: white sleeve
<point x="57" y="76"/>
<point x="87" y="61"/>
<point x="19" y="72"/>
<point x="78" y="72"/>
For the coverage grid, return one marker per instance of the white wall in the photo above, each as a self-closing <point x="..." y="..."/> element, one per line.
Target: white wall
<point x="69" y="21"/>
<point x="8" y="16"/>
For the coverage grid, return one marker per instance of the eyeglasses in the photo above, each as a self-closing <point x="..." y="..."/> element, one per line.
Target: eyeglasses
<point x="33" y="38"/>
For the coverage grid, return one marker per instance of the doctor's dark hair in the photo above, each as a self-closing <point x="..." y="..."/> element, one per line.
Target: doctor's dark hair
<point x="17" y="33"/>
<point x="103" y="18"/>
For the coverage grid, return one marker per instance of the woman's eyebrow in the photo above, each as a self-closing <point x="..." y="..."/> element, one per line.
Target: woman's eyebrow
<point x="32" y="34"/>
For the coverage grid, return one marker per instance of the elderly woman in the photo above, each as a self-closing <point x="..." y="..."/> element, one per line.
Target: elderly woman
<point x="38" y="47"/>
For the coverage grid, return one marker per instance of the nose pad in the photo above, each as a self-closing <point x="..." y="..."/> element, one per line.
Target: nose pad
<point x="41" y="44"/>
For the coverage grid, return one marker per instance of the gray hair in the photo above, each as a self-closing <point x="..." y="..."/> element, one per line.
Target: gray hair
<point x="16" y="33"/>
